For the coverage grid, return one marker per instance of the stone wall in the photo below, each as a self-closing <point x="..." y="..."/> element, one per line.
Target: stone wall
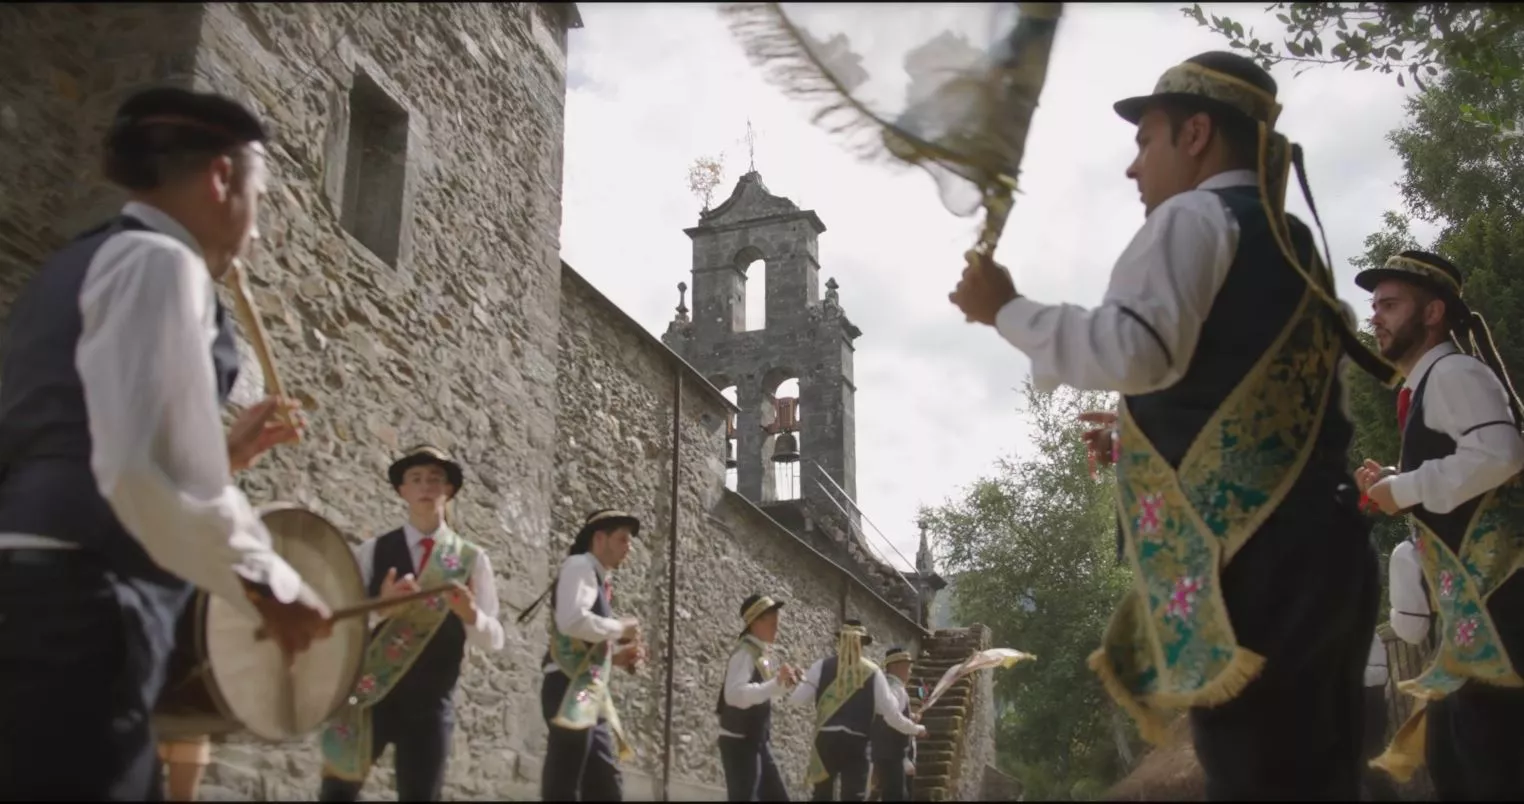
<point x="615" y="435"/>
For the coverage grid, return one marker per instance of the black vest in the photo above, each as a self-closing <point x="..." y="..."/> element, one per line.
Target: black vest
<point x="889" y="744"/>
<point x="1254" y="305"/>
<point x="430" y="682"/>
<point x="755" y="724"/>
<point x="857" y="713"/>
<point x="1420" y="444"/>
<point x="601" y="608"/>
<point x="46" y="485"/>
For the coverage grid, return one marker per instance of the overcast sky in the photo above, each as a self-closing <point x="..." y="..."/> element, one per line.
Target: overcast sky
<point x="652" y="86"/>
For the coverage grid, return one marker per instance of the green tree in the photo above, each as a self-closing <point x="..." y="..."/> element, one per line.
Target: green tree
<point x="1416" y="40"/>
<point x="1035" y="552"/>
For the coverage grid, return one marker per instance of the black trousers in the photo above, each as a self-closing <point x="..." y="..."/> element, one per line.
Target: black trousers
<point x="420" y="739"/>
<point x="893" y="784"/>
<point x="1474" y="744"/>
<point x="580" y="765"/>
<point x="1378" y="784"/>
<point x="750" y="772"/>
<point x="83" y="654"/>
<point x="1302" y="593"/>
<point x="845" y="757"/>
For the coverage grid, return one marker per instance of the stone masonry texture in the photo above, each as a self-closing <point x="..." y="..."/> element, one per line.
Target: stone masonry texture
<point x="472" y="336"/>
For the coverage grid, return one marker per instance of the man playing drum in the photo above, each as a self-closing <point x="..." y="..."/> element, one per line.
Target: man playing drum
<point x="1221" y="331"/>
<point x="116" y="494"/>
<point x="405" y="695"/>
<point x="587" y="641"/>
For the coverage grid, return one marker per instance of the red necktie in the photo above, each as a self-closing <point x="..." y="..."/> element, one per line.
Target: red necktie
<point x="608" y="592"/>
<point x="1404" y="402"/>
<point x="428" y="547"/>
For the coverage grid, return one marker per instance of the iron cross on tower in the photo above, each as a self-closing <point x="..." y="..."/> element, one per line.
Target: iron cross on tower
<point x="751" y="147"/>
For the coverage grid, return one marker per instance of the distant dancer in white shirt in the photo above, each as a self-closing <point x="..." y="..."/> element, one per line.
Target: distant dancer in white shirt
<point x="1459" y="478"/>
<point x="1411" y="618"/>
<point x="405" y="694"/>
<point x="894" y="750"/>
<point x="586" y="742"/>
<point x="849" y="692"/>
<point x="754" y="678"/>
<point x="116" y="494"/>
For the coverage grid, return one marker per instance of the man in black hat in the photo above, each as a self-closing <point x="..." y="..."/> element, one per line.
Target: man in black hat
<point x="753" y="679"/>
<point x="405" y="695"/>
<point x="849" y="692"/>
<point x="1221" y="331"/>
<point x="894" y="750"/>
<point x="587" y="641"/>
<point x="1462" y="452"/>
<point x="116" y="495"/>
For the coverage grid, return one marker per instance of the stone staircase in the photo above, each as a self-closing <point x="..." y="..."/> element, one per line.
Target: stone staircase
<point x="939" y="772"/>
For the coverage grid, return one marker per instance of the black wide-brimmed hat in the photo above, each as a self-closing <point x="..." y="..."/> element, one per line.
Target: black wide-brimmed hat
<point x="1224" y="80"/>
<point x="897" y="654"/>
<point x="864" y="638"/>
<point x="754" y="606"/>
<point x="602" y="519"/>
<point x="423" y="455"/>
<point x="1426" y="270"/>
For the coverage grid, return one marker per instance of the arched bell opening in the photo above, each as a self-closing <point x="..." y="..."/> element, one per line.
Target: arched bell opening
<point x="783" y="445"/>
<point x="732" y="472"/>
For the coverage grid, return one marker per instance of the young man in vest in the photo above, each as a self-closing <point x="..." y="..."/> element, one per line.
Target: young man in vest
<point x="405" y="695"/>
<point x="116" y="492"/>
<point x="1221" y="330"/>
<point x="587" y="642"/>
<point x="848" y="691"/>
<point x="1459" y="477"/>
<point x="753" y="679"/>
<point x="894" y="750"/>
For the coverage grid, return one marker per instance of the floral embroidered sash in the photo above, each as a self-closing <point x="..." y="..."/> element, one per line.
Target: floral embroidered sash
<point x="760" y="656"/>
<point x="346" y="742"/>
<point x="1170" y="644"/>
<point x="852" y="672"/>
<point x="1469" y="648"/>
<point x="588" y="696"/>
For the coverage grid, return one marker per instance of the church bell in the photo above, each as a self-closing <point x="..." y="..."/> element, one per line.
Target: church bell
<point x="786" y="450"/>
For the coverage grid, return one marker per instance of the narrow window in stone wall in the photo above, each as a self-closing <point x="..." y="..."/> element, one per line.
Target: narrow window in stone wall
<point x="756" y="295"/>
<point x="375" y="169"/>
<point x="732" y="475"/>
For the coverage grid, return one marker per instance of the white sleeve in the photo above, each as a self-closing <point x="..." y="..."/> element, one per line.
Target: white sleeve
<point x="160" y="454"/>
<point x="1144" y="334"/>
<point x="487" y="634"/>
<point x="1464" y="400"/>
<point x="576" y="593"/>
<point x="805" y="691"/>
<point x="1409" y="617"/>
<point x="739" y="691"/>
<point x="888" y="708"/>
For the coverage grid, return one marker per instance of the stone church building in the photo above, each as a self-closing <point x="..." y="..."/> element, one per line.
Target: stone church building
<point x="410" y="279"/>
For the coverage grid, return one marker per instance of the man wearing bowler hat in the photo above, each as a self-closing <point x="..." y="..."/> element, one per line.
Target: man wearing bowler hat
<point x="893" y="751"/>
<point x="405" y="695"/>
<point x="586" y="741"/>
<point x="1459" y="480"/>
<point x="753" y="679"/>
<point x="1255" y="585"/>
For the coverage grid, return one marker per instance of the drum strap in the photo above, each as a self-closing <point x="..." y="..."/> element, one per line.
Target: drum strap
<point x="391" y="653"/>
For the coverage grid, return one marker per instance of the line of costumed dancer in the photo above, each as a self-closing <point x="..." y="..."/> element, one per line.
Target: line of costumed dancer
<point x="1256" y="585"/>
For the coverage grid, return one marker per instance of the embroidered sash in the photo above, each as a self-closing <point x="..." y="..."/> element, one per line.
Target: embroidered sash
<point x="1170" y="644"/>
<point x="587" y="697"/>
<point x="759" y="657"/>
<point x="1469" y="648"/>
<point x="852" y="672"/>
<point x="346" y="741"/>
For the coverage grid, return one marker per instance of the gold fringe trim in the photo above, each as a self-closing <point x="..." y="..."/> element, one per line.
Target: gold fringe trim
<point x="1405" y="754"/>
<point x="1245" y="666"/>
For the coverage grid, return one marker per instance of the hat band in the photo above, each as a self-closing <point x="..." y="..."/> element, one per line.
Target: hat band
<point x="757" y="609"/>
<point x="1193" y="79"/>
<point x="1408" y="265"/>
<point x="602" y="515"/>
<point x="897" y="656"/>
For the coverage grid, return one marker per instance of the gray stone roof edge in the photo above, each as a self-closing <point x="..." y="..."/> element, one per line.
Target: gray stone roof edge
<point x="893" y="609"/>
<point x="677" y="360"/>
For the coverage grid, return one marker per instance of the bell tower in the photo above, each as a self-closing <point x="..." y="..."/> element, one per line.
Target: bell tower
<point x="788" y="449"/>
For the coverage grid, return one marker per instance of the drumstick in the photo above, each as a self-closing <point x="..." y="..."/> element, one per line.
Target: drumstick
<point x="380" y="603"/>
<point x="258" y="338"/>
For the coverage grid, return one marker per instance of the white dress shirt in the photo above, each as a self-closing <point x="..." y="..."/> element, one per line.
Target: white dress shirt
<point x="1410" y="615"/>
<point x="902" y="703"/>
<point x="1464" y="400"/>
<point x="1376" y="664"/>
<point x="487" y="633"/>
<point x="576" y="591"/>
<point x="739" y="691"/>
<point x="159" y="450"/>
<point x="884" y="703"/>
<point x="1168" y="276"/>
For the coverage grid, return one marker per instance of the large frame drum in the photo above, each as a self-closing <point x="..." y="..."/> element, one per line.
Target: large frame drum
<point x="222" y="680"/>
